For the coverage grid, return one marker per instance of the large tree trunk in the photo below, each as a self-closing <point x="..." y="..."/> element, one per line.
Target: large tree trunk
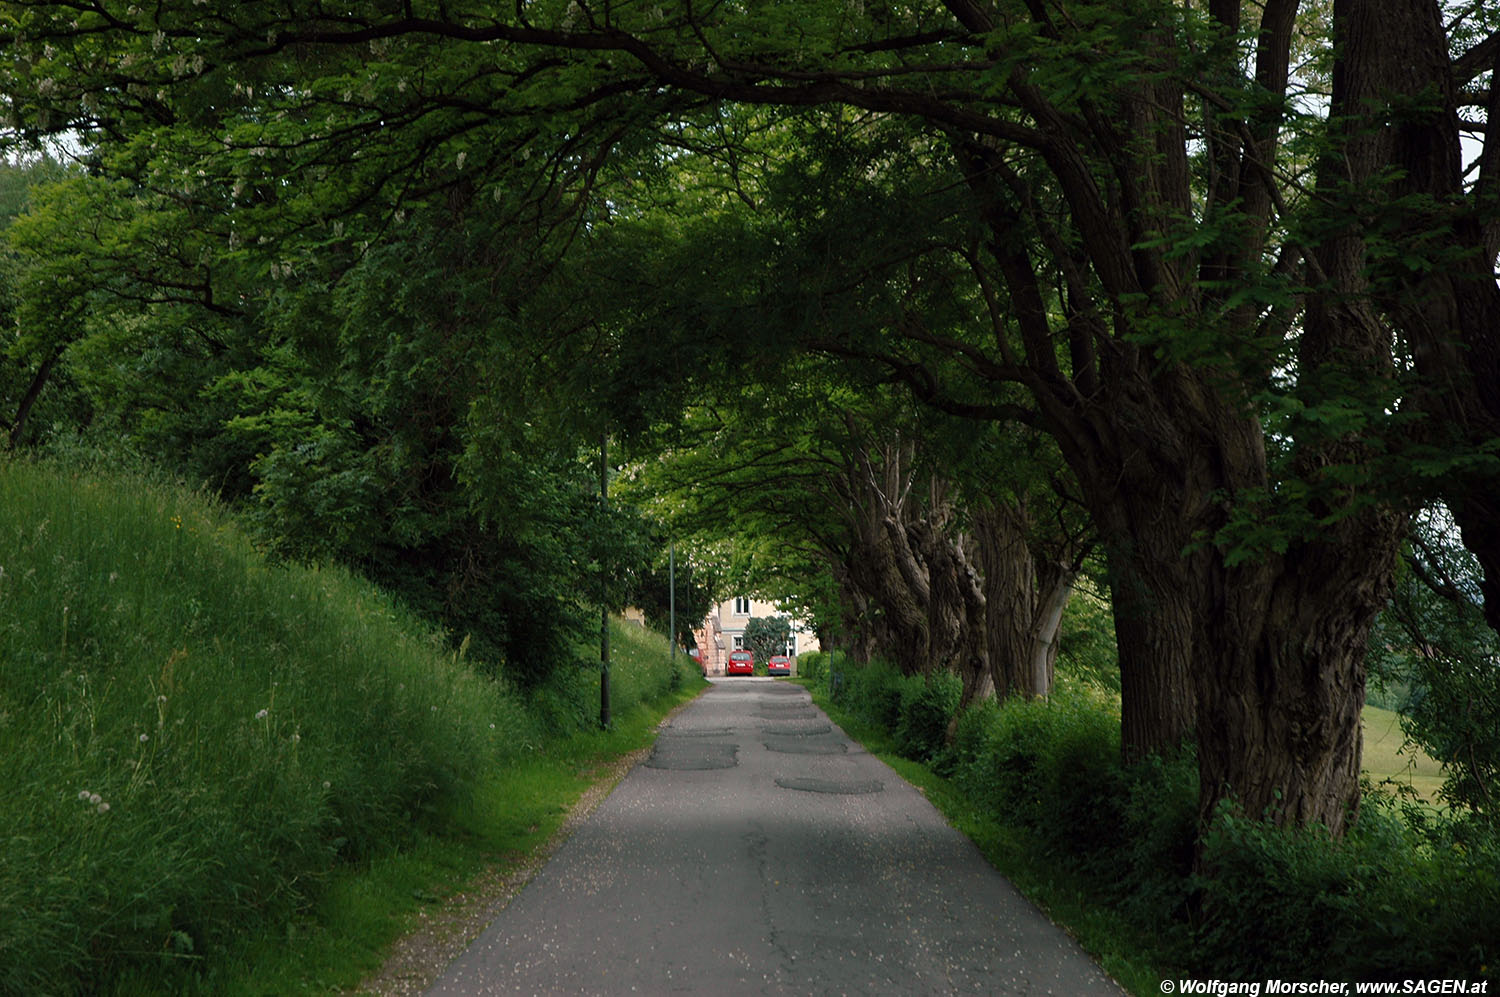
<point x="1023" y="602"/>
<point x="1150" y="466"/>
<point x="1279" y="708"/>
<point x="1054" y="584"/>
<point x="1441" y="292"/>
<point x="1279" y="712"/>
<point x="1263" y="658"/>
<point x="909" y="564"/>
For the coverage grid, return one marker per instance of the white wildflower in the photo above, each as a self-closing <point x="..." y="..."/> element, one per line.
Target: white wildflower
<point x="104" y="808"/>
<point x="84" y="795"/>
<point x="262" y="714"/>
<point x="145" y="738"/>
<point x="94" y="798"/>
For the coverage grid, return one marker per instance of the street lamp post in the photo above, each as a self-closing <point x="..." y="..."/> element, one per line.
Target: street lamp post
<point x="604" y="717"/>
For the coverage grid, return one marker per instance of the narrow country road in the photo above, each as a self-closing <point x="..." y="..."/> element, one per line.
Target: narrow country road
<point x="759" y="851"/>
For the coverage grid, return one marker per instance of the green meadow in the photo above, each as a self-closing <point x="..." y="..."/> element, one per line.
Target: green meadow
<point x="1389" y="759"/>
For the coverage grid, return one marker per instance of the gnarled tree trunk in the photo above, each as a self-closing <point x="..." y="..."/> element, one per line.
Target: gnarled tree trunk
<point x="1024" y="601"/>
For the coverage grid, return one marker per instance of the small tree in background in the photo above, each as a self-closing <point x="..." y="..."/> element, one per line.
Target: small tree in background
<point x="767" y="635"/>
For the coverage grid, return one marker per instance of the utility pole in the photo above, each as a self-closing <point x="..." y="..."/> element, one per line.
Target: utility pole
<point x="672" y="601"/>
<point x="604" y="717"/>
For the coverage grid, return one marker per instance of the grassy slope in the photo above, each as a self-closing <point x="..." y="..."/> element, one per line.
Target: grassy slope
<point x="209" y="761"/>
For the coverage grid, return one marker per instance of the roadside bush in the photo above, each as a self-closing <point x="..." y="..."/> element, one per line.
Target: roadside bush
<point x="926" y="707"/>
<point x="1388" y="902"/>
<point x="1159" y="838"/>
<point x="871" y="691"/>
<point x="961" y="755"/>
<point x="813" y="666"/>
<point x="1408" y="893"/>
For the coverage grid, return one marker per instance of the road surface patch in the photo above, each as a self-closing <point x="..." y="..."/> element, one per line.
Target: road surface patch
<point x="798" y="730"/>
<point x="692" y="754"/>
<point x="805" y="746"/>
<point x="836" y="787"/>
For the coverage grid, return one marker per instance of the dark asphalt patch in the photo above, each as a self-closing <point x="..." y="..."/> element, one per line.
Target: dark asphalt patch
<point x="692" y="754"/>
<point x="805" y="746"/>
<point x="837" y="787"/>
<point x="798" y="730"/>
<point x="783" y="690"/>
<point x="771" y="706"/>
<point x="671" y="732"/>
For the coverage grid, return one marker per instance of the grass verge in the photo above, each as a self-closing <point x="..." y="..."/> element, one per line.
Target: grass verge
<point x="512" y="826"/>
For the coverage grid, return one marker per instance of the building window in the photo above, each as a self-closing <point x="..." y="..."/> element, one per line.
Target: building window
<point x="739" y="642"/>
<point x="741" y="606"/>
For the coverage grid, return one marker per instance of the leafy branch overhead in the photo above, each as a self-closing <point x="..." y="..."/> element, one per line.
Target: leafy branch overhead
<point x="1216" y="278"/>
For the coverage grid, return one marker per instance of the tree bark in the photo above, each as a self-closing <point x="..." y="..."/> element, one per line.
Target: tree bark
<point x="1054" y="592"/>
<point x="1024" y="600"/>
<point x="1398" y="81"/>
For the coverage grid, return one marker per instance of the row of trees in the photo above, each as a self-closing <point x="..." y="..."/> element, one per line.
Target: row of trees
<point x="369" y="420"/>
<point x="1225" y="270"/>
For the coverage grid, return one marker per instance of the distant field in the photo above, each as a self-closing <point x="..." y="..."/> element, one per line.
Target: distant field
<point x="1385" y="758"/>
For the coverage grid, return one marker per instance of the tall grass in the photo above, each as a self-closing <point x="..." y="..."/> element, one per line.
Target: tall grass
<point x="192" y="738"/>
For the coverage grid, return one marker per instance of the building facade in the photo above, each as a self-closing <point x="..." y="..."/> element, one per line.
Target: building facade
<point x="724" y="631"/>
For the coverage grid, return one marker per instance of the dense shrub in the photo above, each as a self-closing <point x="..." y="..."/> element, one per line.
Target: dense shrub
<point x="1158" y="838"/>
<point x="813" y="666"/>
<point x="1388" y="901"/>
<point x="1405" y="894"/>
<point x="1049" y="765"/>
<point x="925" y="709"/>
<point x="874" y="693"/>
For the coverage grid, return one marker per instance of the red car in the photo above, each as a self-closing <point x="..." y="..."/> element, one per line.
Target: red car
<point x="740" y="663"/>
<point x="779" y="664"/>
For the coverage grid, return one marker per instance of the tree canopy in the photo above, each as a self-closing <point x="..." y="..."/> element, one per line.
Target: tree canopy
<point x="1233" y="263"/>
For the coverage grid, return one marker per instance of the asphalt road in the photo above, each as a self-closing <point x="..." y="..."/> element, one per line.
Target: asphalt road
<point x="760" y="851"/>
